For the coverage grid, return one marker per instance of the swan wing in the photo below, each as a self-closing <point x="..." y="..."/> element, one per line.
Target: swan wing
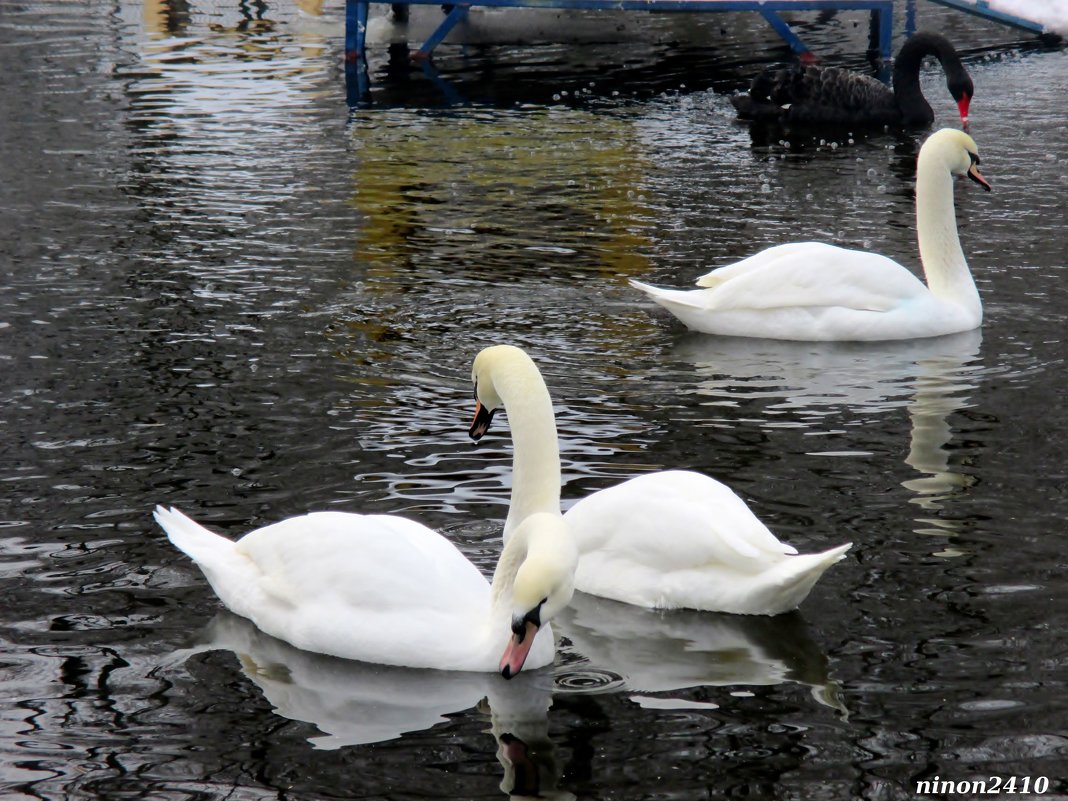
<point x="673" y="520"/>
<point x="819" y="96"/>
<point x="377" y="588"/>
<point x="832" y="95"/>
<point x="363" y="561"/>
<point x="810" y="274"/>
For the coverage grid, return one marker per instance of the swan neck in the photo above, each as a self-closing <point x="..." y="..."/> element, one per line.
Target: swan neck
<point x="944" y="264"/>
<point x="913" y="105"/>
<point x="536" y="450"/>
<point x="504" y="574"/>
<point x="910" y="100"/>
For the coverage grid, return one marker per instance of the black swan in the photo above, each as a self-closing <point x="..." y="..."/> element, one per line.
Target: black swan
<point x="812" y="95"/>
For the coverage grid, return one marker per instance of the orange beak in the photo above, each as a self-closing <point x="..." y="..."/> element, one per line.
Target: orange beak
<point x="480" y="425"/>
<point x="975" y="175"/>
<point x="515" y="654"/>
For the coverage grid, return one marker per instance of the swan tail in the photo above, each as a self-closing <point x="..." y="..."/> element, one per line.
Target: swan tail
<point x="671" y="298"/>
<point x="746" y="106"/>
<point x="202" y="546"/>
<point x="234" y="577"/>
<point x="759" y="103"/>
<point x="692" y="307"/>
<point x="797" y="575"/>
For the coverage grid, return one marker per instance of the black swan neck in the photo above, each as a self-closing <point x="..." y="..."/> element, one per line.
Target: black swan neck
<point x="913" y="105"/>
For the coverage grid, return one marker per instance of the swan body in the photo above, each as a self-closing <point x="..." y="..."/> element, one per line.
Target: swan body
<point x="824" y="96"/>
<point x="385" y="589"/>
<point x="815" y="291"/>
<point x="670" y="539"/>
<point x="676" y="539"/>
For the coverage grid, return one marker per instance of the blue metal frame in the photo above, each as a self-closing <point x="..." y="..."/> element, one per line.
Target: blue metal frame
<point x="447" y="24"/>
<point x="781" y="27"/>
<point x="981" y="8"/>
<point x="355" y="29"/>
<point x="882" y="11"/>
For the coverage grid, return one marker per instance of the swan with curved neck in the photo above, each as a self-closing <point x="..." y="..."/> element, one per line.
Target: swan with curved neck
<point x="671" y="539"/>
<point x="815" y="291"/>
<point x="813" y="95"/>
<point x="387" y="590"/>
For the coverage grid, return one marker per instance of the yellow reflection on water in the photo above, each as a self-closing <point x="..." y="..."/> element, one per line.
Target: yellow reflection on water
<point x="505" y="189"/>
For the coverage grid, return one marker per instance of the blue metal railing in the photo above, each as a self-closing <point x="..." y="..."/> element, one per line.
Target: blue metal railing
<point x="882" y="11"/>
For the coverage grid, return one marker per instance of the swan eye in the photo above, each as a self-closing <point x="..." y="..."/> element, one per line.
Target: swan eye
<point x="974" y="157"/>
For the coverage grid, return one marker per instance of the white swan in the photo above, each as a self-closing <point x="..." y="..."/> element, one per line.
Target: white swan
<point x="384" y="589"/>
<point x="815" y="291"/>
<point x="681" y="540"/>
<point x="672" y="539"/>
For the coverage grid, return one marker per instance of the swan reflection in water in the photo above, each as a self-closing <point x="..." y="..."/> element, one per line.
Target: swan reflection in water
<point x="357" y="703"/>
<point x="657" y="651"/>
<point x="806" y="382"/>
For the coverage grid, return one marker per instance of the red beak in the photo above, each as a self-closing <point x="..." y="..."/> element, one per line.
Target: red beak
<point x="962" y="106"/>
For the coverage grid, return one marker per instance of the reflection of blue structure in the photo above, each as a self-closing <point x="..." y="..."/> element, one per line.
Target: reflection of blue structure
<point x="881" y="13"/>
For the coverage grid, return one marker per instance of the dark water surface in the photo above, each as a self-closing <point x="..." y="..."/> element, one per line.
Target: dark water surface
<point x="221" y="290"/>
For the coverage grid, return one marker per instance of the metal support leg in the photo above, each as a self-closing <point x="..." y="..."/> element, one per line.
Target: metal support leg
<point x="786" y="32"/>
<point x="880" y="33"/>
<point x="886" y="32"/>
<point x="910" y="18"/>
<point x="447" y="24"/>
<point x="357" y="83"/>
<point x="355" y="28"/>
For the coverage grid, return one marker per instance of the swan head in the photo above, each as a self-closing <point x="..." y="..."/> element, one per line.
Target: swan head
<point x="543" y="584"/>
<point x="957" y="151"/>
<point x="491" y="365"/>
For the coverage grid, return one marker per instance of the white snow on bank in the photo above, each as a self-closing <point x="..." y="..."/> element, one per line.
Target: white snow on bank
<point x="1053" y="14"/>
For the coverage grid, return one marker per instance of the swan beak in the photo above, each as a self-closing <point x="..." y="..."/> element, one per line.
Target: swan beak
<point x="975" y="175"/>
<point x="515" y="654"/>
<point x="480" y="425"/>
<point x="962" y="106"/>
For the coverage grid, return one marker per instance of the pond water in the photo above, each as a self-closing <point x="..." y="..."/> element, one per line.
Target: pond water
<point x="222" y="289"/>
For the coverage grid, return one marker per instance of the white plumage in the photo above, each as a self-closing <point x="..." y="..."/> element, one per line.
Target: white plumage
<point x="672" y="539"/>
<point x="678" y="539"/>
<point x="820" y="292"/>
<point x="385" y="589"/>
